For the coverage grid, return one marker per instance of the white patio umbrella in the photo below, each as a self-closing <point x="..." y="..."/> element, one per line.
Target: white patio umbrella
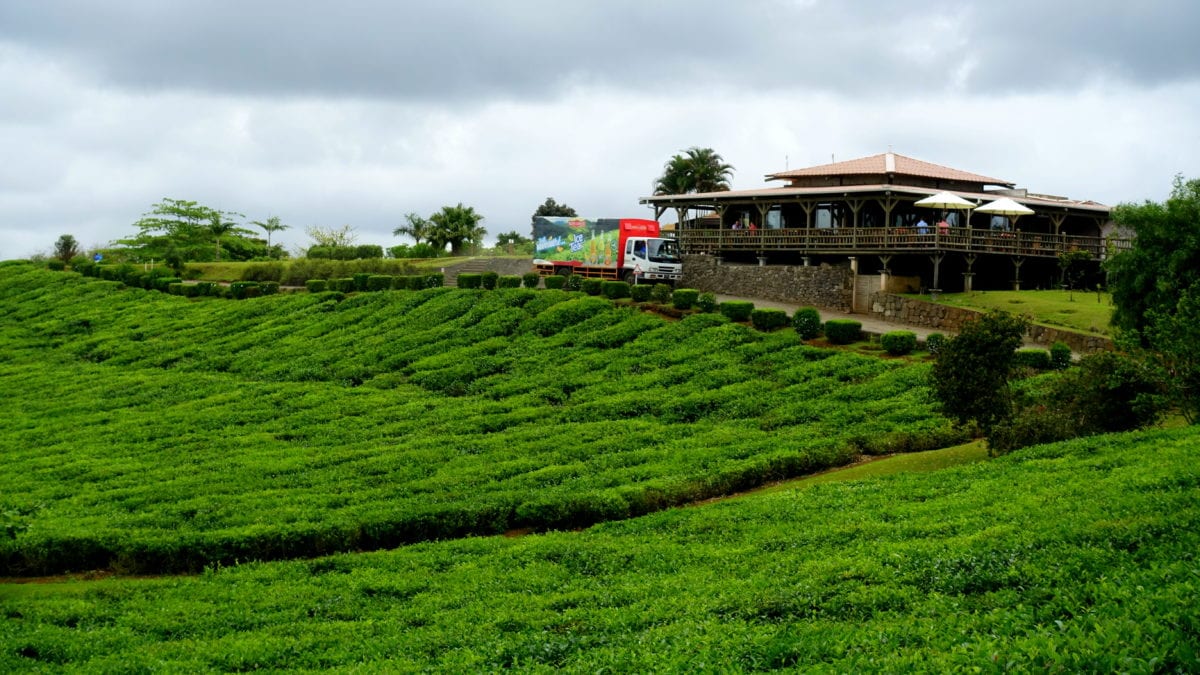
<point x="944" y="201"/>
<point x="1006" y="207"/>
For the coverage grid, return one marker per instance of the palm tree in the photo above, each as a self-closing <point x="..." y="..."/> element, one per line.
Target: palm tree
<point x="457" y="226"/>
<point x="697" y="170"/>
<point x="272" y="225"/>
<point x="217" y="226"/>
<point x="418" y="228"/>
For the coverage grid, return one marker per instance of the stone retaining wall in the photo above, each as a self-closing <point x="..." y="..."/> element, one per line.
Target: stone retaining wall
<point x="821" y="286"/>
<point x="888" y="307"/>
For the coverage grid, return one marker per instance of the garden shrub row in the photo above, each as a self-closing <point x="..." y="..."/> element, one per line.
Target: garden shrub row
<point x="364" y="251"/>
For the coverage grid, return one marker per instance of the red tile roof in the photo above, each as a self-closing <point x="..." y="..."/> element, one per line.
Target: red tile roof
<point x="889" y="163"/>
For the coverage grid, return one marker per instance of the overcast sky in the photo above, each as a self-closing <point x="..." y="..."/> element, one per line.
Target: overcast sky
<point x="359" y="111"/>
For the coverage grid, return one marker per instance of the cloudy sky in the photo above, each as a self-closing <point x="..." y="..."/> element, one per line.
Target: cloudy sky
<point x="359" y="111"/>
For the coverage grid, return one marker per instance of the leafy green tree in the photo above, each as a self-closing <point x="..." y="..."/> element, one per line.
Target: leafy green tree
<point x="1165" y="259"/>
<point x="1073" y="265"/>
<point x="270" y="225"/>
<point x="457" y="226"/>
<point x="970" y="376"/>
<point x="66" y="248"/>
<point x="420" y="229"/>
<point x="328" y="236"/>
<point x="219" y="226"/>
<point x="696" y="170"/>
<point x="1174" y="339"/>
<point x="553" y="208"/>
<point x="511" y="241"/>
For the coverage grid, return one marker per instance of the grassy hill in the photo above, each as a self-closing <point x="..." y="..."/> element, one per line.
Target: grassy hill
<point x="1080" y="311"/>
<point x="147" y="433"/>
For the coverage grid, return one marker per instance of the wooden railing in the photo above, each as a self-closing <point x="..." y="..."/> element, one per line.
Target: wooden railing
<point x="896" y="240"/>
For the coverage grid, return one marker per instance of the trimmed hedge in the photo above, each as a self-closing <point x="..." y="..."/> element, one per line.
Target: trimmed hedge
<point x="380" y="282"/>
<point x="661" y="293"/>
<point x="269" y="287"/>
<point x="614" y="290"/>
<point x="508" y="281"/>
<point x="591" y="286"/>
<point x="807" y="322"/>
<point x="530" y="279"/>
<point x="488" y="280"/>
<point x="574" y="282"/>
<point x="899" y="342"/>
<point x="1060" y="356"/>
<point x="767" y="318"/>
<point x="706" y="302"/>
<point x="56" y="265"/>
<point x="1038" y="359"/>
<point x="240" y="290"/>
<point x="435" y="280"/>
<point x="737" y="310"/>
<point x="640" y="292"/>
<point x="470" y="280"/>
<point x="360" y="280"/>
<point x="555" y="282"/>
<point x="343" y="285"/>
<point x="683" y="298"/>
<point x="935" y="343"/>
<point x="316" y="285"/>
<point x="843" y="331"/>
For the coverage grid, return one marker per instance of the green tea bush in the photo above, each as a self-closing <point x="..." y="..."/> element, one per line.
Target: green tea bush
<point x="316" y="285"/>
<point x="488" y="280"/>
<point x="706" y="302"/>
<point x="416" y="282"/>
<point x="206" y="288"/>
<point x="56" y="265"/>
<point x="360" y="280"/>
<point x="765" y="319"/>
<point x="640" y="292"/>
<point x="508" y="281"/>
<point x="1060" y="356"/>
<point x="240" y="290"/>
<point x="614" y="290"/>
<point x="683" y="298"/>
<point x="574" y="282"/>
<point x="365" y="251"/>
<point x="899" y="342"/>
<point x="807" y="322"/>
<point x="343" y="285"/>
<point x="591" y="286"/>
<point x="736" y="310"/>
<point x="435" y="280"/>
<point x="843" y="331"/>
<point x="175" y="288"/>
<point x="380" y="282"/>
<point x="530" y="279"/>
<point x="555" y="282"/>
<point x="935" y="343"/>
<point x="1036" y="359"/>
<point x="269" y="271"/>
<point x="661" y="294"/>
<point x="162" y="283"/>
<point x="470" y="280"/>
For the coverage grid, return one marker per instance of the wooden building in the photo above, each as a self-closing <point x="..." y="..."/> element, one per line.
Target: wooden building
<point x="863" y="212"/>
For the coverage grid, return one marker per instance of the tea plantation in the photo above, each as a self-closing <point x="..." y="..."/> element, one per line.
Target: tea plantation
<point x="243" y="439"/>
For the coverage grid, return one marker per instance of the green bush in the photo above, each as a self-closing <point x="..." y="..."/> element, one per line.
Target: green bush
<point x="530" y="279"/>
<point x="640" y="292"/>
<point x="175" y="288"/>
<point x="555" y="282"/>
<point x="470" y="280"/>
<point x="316" y="285"/>
<point x="661" y="294"/>
<point x="899" y="342"/>
<point x="360" y="280"/>
<point x="614" y="290"/>
<point x="56" y="265"/>
<point x="574" y="282"/>
<point x="1037" y="359"/>
<point x="508" y="281"/>
<point x="1060" y="356"/>
<point x="807" y="322"/>
<point x="239" y="290"/>
<point x="416" y="283"/>
<point x="737" y="310"/>
<point x="343" y="285"/>
<point x="488" y="280"/>
<point x="269" y="287"/>
<point x="161" y="283"/>
<point x="706" y="302"/>
<point x="206" y="288"/>
<point x="935" y="343"/>
<point x="843" y="331"/>
<point x="767" y="318"/>
<point x="380" y="282"/>
<point x="435" y="280"/>
<point x="367" y="251"/>
<point x="270" y="271"/>
<point x="591" y="286"/>
<point x="684" y="298"/>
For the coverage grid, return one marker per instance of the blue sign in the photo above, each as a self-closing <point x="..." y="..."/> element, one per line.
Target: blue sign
<point x="97" y="257"/>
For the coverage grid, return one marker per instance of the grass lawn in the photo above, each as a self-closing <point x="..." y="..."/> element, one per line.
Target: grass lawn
<point x="1078" y="310"/>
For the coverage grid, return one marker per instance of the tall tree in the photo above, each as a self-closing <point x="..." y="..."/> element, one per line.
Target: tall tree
<point x="176" y="225"/>
<point x="220" y="223"/>
<point x="457" y="226"/>
<point x="328" y="236"/>
<point x="271" y="224"/>
<point x="553" y="208"/>
<point x="1165" y="259"/>
<point x="416" y="227"/>
<point x="970" y="376"/>
<point x="696" y="170"/>
<point x="66" y="248"/>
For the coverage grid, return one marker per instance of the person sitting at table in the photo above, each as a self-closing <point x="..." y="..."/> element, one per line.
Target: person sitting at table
<point x="943" y="226"/>
<point x="922" y="227"/>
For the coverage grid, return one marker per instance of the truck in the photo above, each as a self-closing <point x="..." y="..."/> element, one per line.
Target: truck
<point x="629" y="249"/>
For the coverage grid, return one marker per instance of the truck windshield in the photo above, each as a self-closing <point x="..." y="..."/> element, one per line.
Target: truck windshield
<point x="663" y="251"/>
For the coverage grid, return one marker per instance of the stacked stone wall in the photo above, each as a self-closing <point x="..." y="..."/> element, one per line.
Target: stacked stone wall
<point x="820" y="286"/>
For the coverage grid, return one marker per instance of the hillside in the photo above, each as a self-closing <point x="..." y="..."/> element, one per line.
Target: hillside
<point x="145" y="432"/>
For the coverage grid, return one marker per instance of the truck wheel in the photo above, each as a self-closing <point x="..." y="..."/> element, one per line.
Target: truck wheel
<point x="563" y="271"/>
<point x="630" y="278"/>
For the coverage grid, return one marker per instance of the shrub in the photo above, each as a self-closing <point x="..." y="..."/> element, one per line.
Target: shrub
<point x="56" y="265"/>
<point x="591" y="286"/>
<point x="269" y="287"/>
<point x="367" y="251"/>
<point x="807" y="322"/>
<point x="684" y="298"/>
<point x="555" y="282"/>
<point x="379" y="282"/>
<point x="239" y="290"/>
<point x="615" y="289"/>
<point x="175" y="288"/>
<point x="1060" y="356"/>
<point x="435" y="280"/>
<point x="416" y="283"/>
<point x="766" y="318"/>
<point x="470" y="280"/>
<point x="360" y="280"/>
<point x="661" y="294"/>
<point x="84" y="266"/>
<point x="343" y="285"/>
<point x="935" y="343"/>
<point x="488" y="280"/>
<point x="574" y="282"/>
<point x="272" y="271"/>
<point x="508" y="281"/>
<point x="1037" y="359"/>
<point x="640" y="292"/>
<point x="316" y="285"/>
<point x="206" y="288"/>
<point x="706" y="302"/>
<point x="843" y="331"/>
<point x="970" y="375"/>
<point x="421" y="250"/>
<point x="530" y="279"/>
<point x="161" y="283"/>
<point x="899" y="342"/>
<point x="736" y="310"/>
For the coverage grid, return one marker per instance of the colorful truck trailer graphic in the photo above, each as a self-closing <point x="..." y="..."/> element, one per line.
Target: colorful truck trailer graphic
<point x="608" y="248"/>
